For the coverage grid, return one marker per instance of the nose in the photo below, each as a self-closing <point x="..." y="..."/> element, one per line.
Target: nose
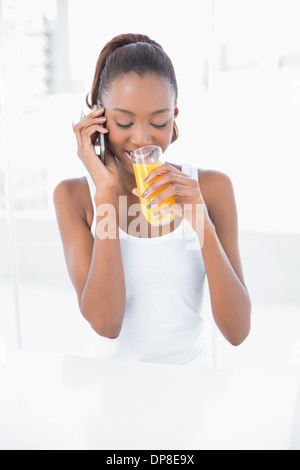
<point x="141" y="136"/>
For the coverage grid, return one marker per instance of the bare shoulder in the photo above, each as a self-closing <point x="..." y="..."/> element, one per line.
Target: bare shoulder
<point x="212" y="180"/>
<point x="217" y="190"/>
<point x="73" y="195"/>
<point x="69" y="187"/>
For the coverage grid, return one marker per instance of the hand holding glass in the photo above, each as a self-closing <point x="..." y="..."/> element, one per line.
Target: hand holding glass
<point x="145" y="159"/>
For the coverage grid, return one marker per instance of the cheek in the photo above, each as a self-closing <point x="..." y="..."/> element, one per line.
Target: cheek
<point x="114" y="135"/>
<point x="163" y="136"/>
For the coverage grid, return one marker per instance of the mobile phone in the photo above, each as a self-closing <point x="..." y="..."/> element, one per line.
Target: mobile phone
<point x="101" y="142"/>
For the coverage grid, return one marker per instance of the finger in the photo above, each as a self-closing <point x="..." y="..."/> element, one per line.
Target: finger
<point x="88" y="136"/>
<point x="81" y="126"/>
<point x="94" y="113"/>
<point x="160" y="170"/>
<point x="85" y="140"/>
<point x="166" y="209"/>
<point x="177" y="192"/>
<point x="90" y="130"/>
<point x="97" y="111"/>
<point x="170" y="178"/>
<point x="135" y="191"/>
<point x="88" y="122"/>
<point x="84" y="119"/>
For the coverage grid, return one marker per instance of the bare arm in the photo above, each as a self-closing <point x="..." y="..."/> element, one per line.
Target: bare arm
<point x="103" y="297"/>
<point x="95" y="266"/>
<point x="230" y="301"/>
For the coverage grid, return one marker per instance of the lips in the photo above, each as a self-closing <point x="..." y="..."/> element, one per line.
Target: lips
<point x="130" y="154"/>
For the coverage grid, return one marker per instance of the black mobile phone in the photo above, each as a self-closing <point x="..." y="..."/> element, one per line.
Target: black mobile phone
<point x="101" y="142"/>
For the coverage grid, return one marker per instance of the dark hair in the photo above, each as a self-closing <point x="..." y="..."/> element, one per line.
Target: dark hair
<point x="131" y="53"/>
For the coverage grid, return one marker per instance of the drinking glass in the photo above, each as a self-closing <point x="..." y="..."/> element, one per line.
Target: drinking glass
<point x="145" y="159"/>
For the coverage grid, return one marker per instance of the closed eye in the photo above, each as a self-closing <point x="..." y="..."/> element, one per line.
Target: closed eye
<point x="159" y="126"/>
<point x="124" y="126"/>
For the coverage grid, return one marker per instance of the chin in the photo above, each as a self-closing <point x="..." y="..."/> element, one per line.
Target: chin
<point x="126" y="163"/>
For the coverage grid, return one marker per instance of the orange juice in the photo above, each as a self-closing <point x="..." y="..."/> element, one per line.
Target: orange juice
<point x="141" y="170"/>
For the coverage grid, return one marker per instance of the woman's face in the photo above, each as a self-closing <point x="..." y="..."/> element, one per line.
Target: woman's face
<point x="140" y="111"/>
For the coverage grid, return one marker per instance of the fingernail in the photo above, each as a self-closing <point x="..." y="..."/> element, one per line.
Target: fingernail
<point x="144" y="193"/>
<point x="156" y="213"/>
<point x="152" y="205"/>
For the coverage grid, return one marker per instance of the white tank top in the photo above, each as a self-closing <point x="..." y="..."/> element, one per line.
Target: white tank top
<point x="164" y="278"/>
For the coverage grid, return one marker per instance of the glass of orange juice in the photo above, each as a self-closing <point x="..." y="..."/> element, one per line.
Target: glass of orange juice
<point x="144" y="160"/>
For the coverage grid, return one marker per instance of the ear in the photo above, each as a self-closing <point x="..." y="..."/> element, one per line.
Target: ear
<point x="175" y="132"/>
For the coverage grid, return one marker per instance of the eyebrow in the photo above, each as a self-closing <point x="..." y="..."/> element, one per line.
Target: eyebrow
<point x="158" y="111"/>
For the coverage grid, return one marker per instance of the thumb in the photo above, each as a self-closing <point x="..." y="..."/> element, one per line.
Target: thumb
<point x="135" y="192"/>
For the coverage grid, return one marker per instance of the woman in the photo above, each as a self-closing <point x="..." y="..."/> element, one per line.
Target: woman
<point x="144" y="291"/>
